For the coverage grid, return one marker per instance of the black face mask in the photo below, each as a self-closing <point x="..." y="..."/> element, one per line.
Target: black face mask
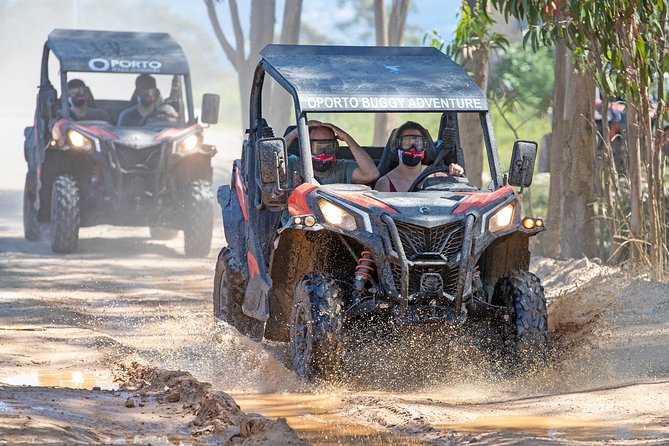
<point x="411" y="157"/>
<point x="323" y="162"/>
<point x="147" y="101"/>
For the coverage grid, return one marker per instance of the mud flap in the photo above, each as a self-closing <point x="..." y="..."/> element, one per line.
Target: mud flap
<point x="256" y="298"/>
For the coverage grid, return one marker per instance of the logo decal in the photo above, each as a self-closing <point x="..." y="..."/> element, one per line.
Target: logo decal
<point x="123" y="65"/>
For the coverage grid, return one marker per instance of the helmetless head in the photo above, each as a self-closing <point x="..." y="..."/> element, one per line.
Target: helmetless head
<point x="77" y="93"/>
<point x="147" y="93"/>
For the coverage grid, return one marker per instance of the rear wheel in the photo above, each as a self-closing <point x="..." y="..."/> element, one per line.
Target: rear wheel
<point x="162" y="233"/>
<point x="527" y="336"/>
<point x="229" y="287"/>
<point x="65" y="214"/>
<point x="31" y="227"/>
<point x="199" y="219"/>
<point x="317" y="320"/>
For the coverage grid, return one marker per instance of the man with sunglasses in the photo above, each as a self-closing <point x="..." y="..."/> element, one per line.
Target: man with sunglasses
<point x="149" y="107"/>
<point x="328" y="169"/>
<point x="411" y="143"/>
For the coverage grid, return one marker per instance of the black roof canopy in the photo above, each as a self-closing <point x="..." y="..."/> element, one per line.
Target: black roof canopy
<point x="115" y="51"/>
<point x="369" y="78"/>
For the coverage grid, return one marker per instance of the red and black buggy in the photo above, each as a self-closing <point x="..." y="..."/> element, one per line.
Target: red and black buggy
<point x="157" y="175"/>
<point x="302" y="265"/>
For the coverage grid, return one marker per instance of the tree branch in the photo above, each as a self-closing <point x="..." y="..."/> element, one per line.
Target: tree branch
<point x="380" y="23"/>
<point x="227" y="48"/>
<point x="237" y="27"/>
<point x="290" y="29"/>
<point x="397" y="22"/>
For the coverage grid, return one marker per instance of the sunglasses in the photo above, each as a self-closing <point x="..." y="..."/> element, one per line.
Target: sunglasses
<point x="418" y="142"/>
<point x="324" y="146"/>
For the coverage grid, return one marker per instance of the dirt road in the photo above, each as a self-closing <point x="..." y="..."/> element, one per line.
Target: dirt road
<point x="71" y="325"/>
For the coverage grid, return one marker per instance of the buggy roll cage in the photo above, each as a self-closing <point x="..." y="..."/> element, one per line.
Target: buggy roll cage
<point x="114" y="52"/>
<point x="324" y="78"/>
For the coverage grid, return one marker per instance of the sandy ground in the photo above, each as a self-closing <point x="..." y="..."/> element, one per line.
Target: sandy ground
<point x="115" y="344"/>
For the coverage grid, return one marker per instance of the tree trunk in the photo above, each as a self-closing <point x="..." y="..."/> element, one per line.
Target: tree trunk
<point x="471" y="133"/>
<point x="577" y="167"/>
<point x="393" y="35"/>
<point x="550" y="241"/>
<point x="280" y="103"/>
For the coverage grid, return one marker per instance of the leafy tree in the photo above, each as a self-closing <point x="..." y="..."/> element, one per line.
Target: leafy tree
<point x="471" y="47"/>
<point x="522" y="78"/>
<point x="625" y="40"/>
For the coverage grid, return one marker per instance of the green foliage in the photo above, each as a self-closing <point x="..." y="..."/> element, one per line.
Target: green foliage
<point x="473" y="31"/>
<point x="521" y="77"/>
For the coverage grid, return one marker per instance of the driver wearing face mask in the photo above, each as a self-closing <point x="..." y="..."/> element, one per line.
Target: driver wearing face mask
<point x="324" y="140"/>
<point x="411" y="143"/>
<point x="149" y="107"/>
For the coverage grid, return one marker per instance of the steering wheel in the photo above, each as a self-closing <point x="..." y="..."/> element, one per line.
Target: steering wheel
<point x="441" y="168"/>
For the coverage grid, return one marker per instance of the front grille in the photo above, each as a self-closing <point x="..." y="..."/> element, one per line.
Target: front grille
<point x="146" y="159"/>
<point x="449" y="277"/>
<point x="436" y="246"/>
<point x="444" y="241"/>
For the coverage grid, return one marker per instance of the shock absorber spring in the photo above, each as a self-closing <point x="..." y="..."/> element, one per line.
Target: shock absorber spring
<point x="363" y="269"/>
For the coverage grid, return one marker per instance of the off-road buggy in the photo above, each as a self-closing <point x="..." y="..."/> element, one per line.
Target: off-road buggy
<point x="303" y="264"/>
<point x="158" y="175"/>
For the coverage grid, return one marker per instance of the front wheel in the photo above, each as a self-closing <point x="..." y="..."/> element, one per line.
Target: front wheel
<point x="65" y="214"/>
<point x="229" y="287"/>
<point x="522" y="293"/>
<point x="199" y="219"/>
<point x="317" y="320"/>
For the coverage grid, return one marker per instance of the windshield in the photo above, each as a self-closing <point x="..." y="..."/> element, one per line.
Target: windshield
<point x="438" y="141"/>
<point x="157" y="100"/>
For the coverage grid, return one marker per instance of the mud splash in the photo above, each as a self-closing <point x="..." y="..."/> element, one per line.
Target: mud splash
<point x="316" y="417"/>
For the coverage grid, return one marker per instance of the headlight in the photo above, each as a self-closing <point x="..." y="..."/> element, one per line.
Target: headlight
<point x="337" y="216"/>
<point x="502" y="218"/>
<point x="188" y="144"/>
<point x="79" y="141"/>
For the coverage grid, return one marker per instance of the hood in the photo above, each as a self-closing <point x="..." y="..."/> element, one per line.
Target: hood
<point x="135" y="137"/>
<point x="427" y="208"/>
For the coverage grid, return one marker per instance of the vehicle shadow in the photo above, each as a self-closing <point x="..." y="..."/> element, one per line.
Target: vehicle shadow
<point x="95" y="242"/>
<point x="93" y="248"/>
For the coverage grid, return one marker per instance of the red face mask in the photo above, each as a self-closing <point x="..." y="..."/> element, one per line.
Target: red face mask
<point x="323" y="162"/>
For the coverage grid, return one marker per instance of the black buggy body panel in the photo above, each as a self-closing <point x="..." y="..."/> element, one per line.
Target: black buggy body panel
<point x="338" y="78"/>
<point x="115" y="51"/>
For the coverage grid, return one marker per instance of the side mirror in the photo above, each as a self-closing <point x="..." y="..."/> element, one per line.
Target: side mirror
<point x="210" y="106"/>
<point x="522" y="163"/>
<point x="272" y="170"/>
<point x="272" y="156"/>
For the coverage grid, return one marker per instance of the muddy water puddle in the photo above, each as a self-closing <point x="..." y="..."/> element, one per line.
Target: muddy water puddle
<point x="313" y="417"/>
<point x="71" y="379"/>
<point x="553" y="427"/>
